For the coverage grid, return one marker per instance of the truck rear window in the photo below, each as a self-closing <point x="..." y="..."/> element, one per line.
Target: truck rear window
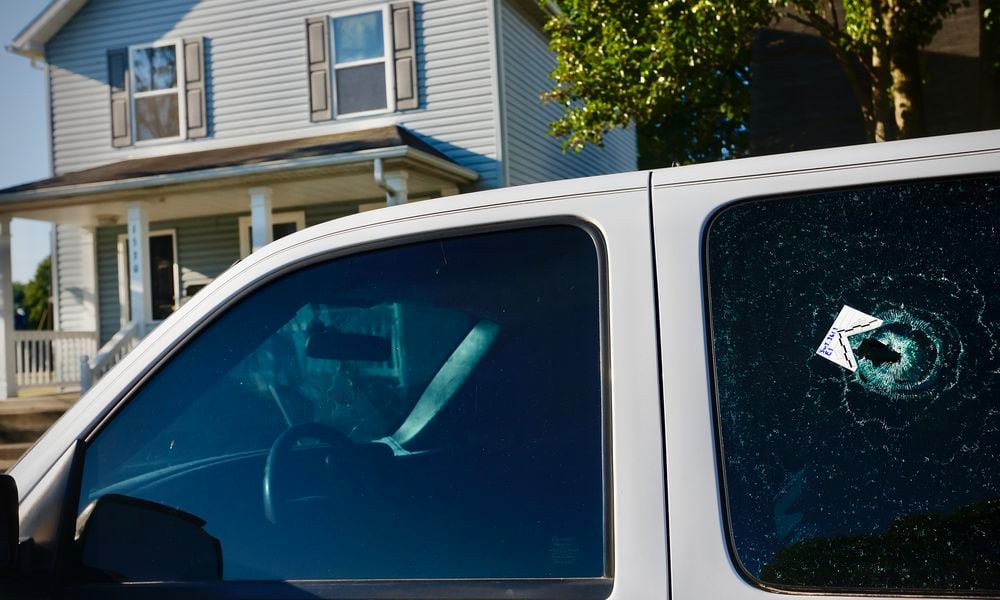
<point x="856" y="345"/>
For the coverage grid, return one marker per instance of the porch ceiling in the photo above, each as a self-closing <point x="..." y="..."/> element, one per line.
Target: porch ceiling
<point x="319" y="170"/>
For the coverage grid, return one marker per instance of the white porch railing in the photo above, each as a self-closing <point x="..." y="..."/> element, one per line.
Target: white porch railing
<point x="51" y="358"/>
<point x="120" y="344"/>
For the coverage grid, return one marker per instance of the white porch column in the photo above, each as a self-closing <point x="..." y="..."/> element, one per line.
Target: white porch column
<point x="8" y="375"/>
<point x="88" y="278"/>
<point x="262" y="232"/>
<point x="397" y="181"/>
<point x="140" y="297"/>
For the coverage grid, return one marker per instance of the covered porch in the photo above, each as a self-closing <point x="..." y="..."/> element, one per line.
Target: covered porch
<point x="135" y="240"/>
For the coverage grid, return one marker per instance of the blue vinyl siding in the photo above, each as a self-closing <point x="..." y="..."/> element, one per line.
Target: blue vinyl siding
<point x="531" y="154"/>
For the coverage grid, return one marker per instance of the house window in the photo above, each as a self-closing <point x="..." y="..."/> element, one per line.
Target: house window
<point x="362" y="62"/>
<point x="360" y="68"/>
<point x="282" y="224"/>
<point x="156" y="95"/>
<point x="157" y="92"/>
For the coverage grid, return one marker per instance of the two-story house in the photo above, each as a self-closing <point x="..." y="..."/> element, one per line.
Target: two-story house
<point x="187" y="133"/>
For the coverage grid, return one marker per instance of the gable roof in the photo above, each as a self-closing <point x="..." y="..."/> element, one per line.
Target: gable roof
<point x="32" y="39"/>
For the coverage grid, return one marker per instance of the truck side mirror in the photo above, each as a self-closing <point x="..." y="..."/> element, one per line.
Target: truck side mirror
<point x="8" y="524"/>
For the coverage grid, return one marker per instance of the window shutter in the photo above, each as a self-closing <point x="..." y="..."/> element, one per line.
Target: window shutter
<point x="317" y="48"/>
<point x="119" y="84"/>
<point x="194" y="87"/>
<point x="404" y="55"/>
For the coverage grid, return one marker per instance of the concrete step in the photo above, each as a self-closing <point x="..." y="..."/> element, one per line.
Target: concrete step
<point x="9" y="453"/>
<point x="22" y="419"/>
<point x="26" y="427"/>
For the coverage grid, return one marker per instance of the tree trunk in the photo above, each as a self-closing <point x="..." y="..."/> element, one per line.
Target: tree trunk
<point x="907" y="88"/>
<point x="883" y="126"/>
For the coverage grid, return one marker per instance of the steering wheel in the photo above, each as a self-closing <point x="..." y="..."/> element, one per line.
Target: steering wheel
<point x="277" y="495"/>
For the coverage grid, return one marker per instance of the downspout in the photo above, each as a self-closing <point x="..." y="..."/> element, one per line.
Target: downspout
<point x="390" y="194"/>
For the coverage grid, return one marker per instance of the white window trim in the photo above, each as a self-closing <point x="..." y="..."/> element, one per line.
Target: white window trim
<point x="124" y="297"/>
<point x="179" y="91"/>
<point x="387" y="60"/>
<point x="298" y="217"/>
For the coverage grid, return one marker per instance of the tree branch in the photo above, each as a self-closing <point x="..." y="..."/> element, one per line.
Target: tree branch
<point x="838" y="42"/>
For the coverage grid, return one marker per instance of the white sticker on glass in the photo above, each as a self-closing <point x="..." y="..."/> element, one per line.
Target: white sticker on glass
<point x="835" y="346"/>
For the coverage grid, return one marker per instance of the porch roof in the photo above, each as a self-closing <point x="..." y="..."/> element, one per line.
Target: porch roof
<point x="219" y="163"/>
<point x="325" y="169"/>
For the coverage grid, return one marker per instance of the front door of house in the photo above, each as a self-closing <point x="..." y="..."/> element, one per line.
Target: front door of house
<point x="163" y="273"/>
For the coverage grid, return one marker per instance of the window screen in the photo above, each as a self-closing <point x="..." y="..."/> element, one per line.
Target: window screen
<point x="859" y="451"/>
<point x="427" y="411"/>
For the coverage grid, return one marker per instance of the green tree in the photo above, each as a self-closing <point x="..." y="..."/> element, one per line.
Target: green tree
<point x="34" y="296"/>
<point x="679" y="69"/>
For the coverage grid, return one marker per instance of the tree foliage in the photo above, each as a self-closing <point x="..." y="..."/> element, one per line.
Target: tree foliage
<point x="679" y="69"/>
<point x="877" y="46"/>
<point x="34" y="296"/>
<point x="930" y="551"/>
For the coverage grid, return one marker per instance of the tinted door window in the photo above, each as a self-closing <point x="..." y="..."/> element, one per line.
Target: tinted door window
<point x="878" y="473"/>
<point x="426" y="411"/>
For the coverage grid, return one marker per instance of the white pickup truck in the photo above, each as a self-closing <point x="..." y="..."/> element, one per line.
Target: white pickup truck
<point x="769" y="377"/>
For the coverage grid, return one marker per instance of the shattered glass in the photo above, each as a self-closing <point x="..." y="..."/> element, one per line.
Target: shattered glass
<point x="884" y="478"/>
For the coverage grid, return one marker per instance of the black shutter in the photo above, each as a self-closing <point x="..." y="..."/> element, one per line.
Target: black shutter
<point x="194" y="87"/>
<point x="404" y="55"/>
<point x="118" y="85"/>
<point x="317" y="49"/>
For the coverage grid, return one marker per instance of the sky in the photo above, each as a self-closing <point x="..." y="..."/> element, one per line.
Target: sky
<point x="24" y="145"/>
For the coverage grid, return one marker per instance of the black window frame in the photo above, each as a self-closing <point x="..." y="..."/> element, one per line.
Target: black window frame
<point x="582" y="588"/>
<point x="716" y="407"/>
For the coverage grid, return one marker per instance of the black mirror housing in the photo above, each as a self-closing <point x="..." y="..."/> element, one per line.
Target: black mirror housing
<point x="9" y="531"/>
<point x="121" y="538"/>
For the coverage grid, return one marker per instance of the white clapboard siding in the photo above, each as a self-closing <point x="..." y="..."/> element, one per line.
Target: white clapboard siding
<point x="107" y="281"/>
<point x="531" y="154"/>
<point x="328" y="212"/>
<point x="76" y="286"/>
<point x="256" y="63"/>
